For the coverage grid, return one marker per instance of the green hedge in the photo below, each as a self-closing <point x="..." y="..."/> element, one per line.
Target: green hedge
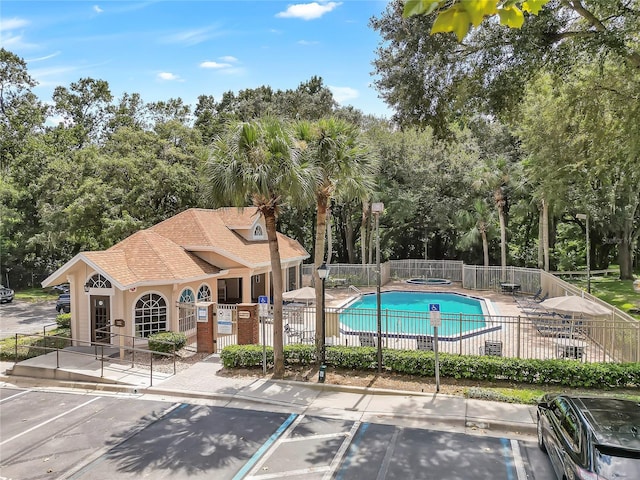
<point x="248" y="356"/>
<point x="472" y="367"/>
<point x="33" y="346"/>
<point x="63" y="320"/>
<point x="167" y="342"/>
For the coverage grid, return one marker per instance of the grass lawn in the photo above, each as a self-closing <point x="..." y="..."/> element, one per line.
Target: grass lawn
<point x="618" y="293"/>
<point x="35" y="295"/>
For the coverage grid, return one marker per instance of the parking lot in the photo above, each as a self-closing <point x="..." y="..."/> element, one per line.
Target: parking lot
<point x="26" y="317"/>
<point x="80" y="436"/>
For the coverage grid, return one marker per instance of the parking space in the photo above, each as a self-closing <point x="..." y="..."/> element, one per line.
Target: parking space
<point x="49" y="434"/>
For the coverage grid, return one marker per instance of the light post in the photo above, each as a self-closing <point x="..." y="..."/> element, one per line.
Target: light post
<point x="323" y="273"/>
<point x="584" y="216"/>
<point x="376" y="209"/>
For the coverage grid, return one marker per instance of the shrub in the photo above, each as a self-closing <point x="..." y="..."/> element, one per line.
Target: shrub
<point x="63" y="320"/>
<point x="32" y="346"/>
<point x="422" y="363"/>
<point x="167" y="342"/>
<point x="249" y="356"/>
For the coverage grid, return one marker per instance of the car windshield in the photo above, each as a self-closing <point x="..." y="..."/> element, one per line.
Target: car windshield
<point x="614" y="463"/>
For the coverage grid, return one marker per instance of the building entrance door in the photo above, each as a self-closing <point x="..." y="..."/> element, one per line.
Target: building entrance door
<point x="100" y="314"/>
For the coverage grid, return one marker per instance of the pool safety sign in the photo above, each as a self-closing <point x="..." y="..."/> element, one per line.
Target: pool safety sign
<point x="225" y="321"/>
<point x="263" y="305"/>
<point x="434" y="314"/>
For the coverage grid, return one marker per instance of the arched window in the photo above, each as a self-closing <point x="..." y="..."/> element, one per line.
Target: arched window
<point x="98" y="281"/>
<point x="187" y="296"/>
<point x="204" y="293"/>
<point x="187" y="311"/>
<point x="150" y="315"/>
<point x="257" y="232"/>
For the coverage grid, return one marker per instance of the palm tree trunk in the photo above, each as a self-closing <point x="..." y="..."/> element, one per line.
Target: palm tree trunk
<point x="329" y="237"/>
<point x="276" y="272"/>
<point x="321" y="229"/>
<point x="545" y="233"/>
<point x="540" y="240"/>
<point x="363" y="231"/>
<point x="485" y="247"/>
<point x="503" y="240"/>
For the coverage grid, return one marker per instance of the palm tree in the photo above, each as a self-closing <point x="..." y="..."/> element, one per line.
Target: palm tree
<point x="258" y="162"/>
<point x="478" y="224"/>
<point x="345" y="170"/>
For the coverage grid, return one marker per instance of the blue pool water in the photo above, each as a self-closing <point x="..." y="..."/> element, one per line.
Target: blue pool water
<point x="408" y="313"/>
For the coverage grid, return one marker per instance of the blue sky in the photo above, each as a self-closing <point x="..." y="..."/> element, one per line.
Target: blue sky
<point x="169" y="49"/>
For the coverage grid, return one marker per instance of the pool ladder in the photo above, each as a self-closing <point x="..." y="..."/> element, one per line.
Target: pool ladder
<point x="355" y="289"/>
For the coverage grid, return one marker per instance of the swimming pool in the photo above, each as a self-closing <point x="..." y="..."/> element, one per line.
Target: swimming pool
<point x="407" y="313"/>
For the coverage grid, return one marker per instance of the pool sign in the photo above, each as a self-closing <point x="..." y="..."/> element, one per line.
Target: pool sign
<point x="263" y="305"/>
<point x="434" y="314"/>
<point x="434" y="317"/>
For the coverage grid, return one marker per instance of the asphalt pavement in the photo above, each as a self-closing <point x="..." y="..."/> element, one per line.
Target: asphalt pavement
<point x="26" y="317"/>
<point x="201" y="382"/>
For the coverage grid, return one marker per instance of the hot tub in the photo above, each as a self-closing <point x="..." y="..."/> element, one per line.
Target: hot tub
<point x="429" y="281"/>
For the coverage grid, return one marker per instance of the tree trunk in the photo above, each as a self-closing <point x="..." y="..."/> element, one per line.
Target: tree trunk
<point x="485" y="247"/>
<point x="503" y="240"/>
<point x="349" y="234"/>
<point x="363" y="231"/>
<point x="545" y="233"/>
<point x="540" y="241"/>
<point x="276" y="277"/>
<point x="321" y="230"/>
<point x="329" y="236"/>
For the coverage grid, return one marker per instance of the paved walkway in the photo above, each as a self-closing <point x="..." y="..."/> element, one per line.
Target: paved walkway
<point x="201" y="383"/>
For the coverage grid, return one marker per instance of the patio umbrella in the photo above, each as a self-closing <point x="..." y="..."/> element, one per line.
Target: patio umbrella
<point x="574" y="305"/>
<point x="304" y="294"/>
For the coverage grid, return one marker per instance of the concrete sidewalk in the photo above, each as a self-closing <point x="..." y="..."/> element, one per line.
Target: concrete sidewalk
<point x="201" y="383"/>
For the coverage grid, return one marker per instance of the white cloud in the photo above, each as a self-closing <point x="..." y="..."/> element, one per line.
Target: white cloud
<point x="229" y="58"/>
<point x="192" y="37"/>
<point x="46" y="57"/>
<point x="308" y="11"/>
<point x="308" y="42"/>
<point x="97" y="9"/>
<point x="12" y="40"/>
<point x="168" y="76"/>
<point x="13" y="23"/>
<point x="214" y="65"/>
<point x="343" y="94"/>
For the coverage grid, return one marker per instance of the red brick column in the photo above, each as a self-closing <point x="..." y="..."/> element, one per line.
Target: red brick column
<point x="205" y="328"/>
<point x="248" y="324"/>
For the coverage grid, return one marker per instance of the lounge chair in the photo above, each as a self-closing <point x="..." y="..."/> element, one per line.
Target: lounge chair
<point x="531" y="304"/>
<point x="492" y="347"/>
<point x="368" y="340"/>
<point x="296" y="335"/>
<point x="425" y="343"/>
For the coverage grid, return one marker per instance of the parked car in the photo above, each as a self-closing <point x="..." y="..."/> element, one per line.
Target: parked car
<point x="63" y="288"/>
<point x="63" y="305"/>
<point x="6" y="294"/>
<point x="590" y="438"/>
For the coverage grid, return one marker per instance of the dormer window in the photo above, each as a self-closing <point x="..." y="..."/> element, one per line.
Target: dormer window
<point x="257" y="232"/>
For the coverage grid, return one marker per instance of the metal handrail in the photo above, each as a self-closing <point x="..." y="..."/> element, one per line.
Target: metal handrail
<point x="101" y="357"/>
<point x="133" y="338"/>
<point x="355" y="289"/>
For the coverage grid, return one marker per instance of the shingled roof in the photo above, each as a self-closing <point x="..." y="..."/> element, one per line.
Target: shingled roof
<point x="166" y="252"/>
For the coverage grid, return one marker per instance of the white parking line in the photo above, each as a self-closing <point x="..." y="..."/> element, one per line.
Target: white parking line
<point x="48" y="421"/>
<point x="517" y="460"/>
<point x="15" y="395"/>
<point x="337" y="460"/>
